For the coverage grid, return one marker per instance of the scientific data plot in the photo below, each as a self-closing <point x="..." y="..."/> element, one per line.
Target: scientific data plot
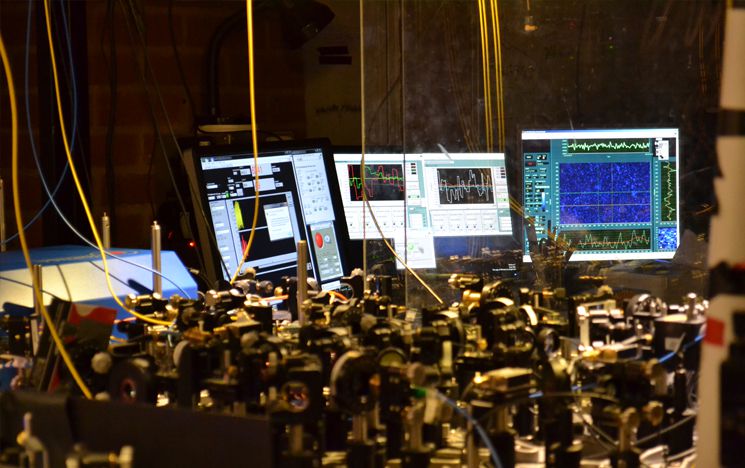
<point x="601" y="193"/>
<point x="383" y="182"/>
<point x="631" y="145"/>
<point x="608" y="239"/>
<point x="668" y="195"/>
<point x="465" y="186"/>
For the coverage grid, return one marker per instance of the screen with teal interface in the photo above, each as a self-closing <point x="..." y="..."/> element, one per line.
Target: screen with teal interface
<point x="609" y="194"/>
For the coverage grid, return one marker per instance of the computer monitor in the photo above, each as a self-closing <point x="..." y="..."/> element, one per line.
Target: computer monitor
<point x="610" y="194"/>
<point x="425" y="201"/>
<point x="296" y="202"/>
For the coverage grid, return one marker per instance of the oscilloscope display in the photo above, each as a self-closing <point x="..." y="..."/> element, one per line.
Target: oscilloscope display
<point x="610" y="194"/>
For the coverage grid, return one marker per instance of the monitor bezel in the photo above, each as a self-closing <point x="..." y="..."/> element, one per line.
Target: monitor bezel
<point x="509" y="241"/>
<point x="323" y="144"/>
<point x="554" y="133"/>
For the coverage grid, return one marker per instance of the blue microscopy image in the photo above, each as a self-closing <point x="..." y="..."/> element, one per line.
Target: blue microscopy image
<point x="595" y="193"/>
<point x="629" y="177"/>
<point x="631" y="198"/>
<point x="667" y="238"/>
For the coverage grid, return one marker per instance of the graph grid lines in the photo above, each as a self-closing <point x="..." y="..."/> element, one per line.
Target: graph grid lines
<point x="383" y="182"/>
<point x="603" y="193"/>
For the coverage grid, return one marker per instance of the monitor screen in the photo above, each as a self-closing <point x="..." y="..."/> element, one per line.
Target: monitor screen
<point x="420" y="200"/>
<point x="295" y="203"/>
<point x="610" y="194"/>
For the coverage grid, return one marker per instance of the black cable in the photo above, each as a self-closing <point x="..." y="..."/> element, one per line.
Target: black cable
<point x="387" y="96"/>
<point x="154" y="118"/>
<point x="212" y="99"/>
<point x="177" y="58"/>
<point x="681" y="455"/>
<point x="541" y="395"/>
<point x="143" y="78"/>
<point x="64" y="283"/>
<point x="66" y="60"/>
<point x="198" y="207"/>
<point x="596" y="433"/>
<point x="669" y="428"/>
<point x="149" y="176"/>
<point x="21" y="283"/>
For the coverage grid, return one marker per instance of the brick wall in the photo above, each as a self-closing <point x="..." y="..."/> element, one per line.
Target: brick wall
<point x="584" y="67"/>
<point x="13" y="29"/>
<point x="279" y="99"/>
<point x="278" y="83"/>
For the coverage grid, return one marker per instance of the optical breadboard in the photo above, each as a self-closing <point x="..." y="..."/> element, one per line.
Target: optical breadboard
<point x="608" y="194"/>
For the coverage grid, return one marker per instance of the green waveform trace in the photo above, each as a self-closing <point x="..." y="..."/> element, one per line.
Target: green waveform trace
<point x="636" y="145"/>
<point x="382" y="182"/>
<point x="611" y="239"/>
<point x="669" y="197"/>
<point x="378" y="176"/>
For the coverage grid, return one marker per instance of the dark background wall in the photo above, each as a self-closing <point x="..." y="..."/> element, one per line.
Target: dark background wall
<point x="589" y="64"/>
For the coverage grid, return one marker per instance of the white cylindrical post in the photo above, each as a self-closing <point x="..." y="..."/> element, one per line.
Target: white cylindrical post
<point x="155" y="247"/>
<point x="302" y="279"/>
<point x="726" y="249"/>
<point x="106" y="231"/>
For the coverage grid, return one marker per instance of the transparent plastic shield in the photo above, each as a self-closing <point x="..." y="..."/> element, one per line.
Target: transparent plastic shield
<point x="449" y="89"/>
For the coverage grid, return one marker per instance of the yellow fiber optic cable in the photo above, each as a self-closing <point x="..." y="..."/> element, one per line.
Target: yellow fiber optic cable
<point x="76" y="179"/>
<point x="498" y="74"/>
<point x="501" y="79"/>
<point x="363" y="131"/>
<point x="398" y="257"/>
<point x="483" y="69"/>
<point x="496" y="64"/>
<point x="365" y="200"/>
<point x="484" y="30"/>
<point x="249" y="26"/>
<point x="487" y="65"/>
<point x="19" y="223"/>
